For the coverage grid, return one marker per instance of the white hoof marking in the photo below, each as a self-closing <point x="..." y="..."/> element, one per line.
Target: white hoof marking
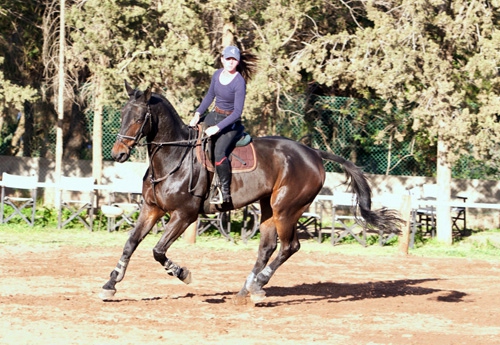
<point x="107" y="294"/>
<point x="258" y="296"/>
<point x="188" y="279"/>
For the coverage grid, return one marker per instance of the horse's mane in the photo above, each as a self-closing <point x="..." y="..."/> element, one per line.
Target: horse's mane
<point x="167" y="103"/>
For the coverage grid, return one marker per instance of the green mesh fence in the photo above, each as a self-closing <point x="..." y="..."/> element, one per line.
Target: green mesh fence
<point x="110" y="127"/>
<point x="329" y="123"/>
<point x="332" y="124"/>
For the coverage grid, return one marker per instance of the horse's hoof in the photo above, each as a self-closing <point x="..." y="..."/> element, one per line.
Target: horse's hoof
<point x="239" y="300"/>
<point x="107" y="294"/>
<point x="186" y="279"/>
<point x="258" y="296"/>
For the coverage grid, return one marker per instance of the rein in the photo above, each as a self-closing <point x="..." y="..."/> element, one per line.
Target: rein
<point x="139" y="135"/>
<point x="189" y="144"/>
<point x="189" y="149"/>
<point x="160" y="145"/>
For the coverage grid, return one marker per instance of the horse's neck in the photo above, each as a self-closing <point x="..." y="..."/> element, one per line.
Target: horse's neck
<point x="168" y="142"/>
<point x="169" y="125"/>
<point x="169" y="135"/>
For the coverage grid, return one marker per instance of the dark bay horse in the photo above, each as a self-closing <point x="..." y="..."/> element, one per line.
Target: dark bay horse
<point x="288" y="177"/>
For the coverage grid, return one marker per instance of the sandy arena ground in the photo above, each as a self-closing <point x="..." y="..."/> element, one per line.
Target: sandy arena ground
<point x="50" y="296"/>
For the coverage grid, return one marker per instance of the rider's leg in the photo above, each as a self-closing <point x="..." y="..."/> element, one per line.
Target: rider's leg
<point x="224" y="172"/>
<point x="224" y="144"/>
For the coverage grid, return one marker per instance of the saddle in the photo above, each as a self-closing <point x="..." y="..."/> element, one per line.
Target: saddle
<point x="243" y="158"/>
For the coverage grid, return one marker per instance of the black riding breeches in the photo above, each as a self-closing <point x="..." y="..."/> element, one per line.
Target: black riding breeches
<point x="226" y="139"/>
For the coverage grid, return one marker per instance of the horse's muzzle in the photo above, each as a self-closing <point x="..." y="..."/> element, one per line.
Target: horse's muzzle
<point x="120" y="152"/>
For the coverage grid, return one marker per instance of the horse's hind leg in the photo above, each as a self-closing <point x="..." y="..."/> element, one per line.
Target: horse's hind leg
<point x="267" y="246"/>
<point x="147" y="219"/>
<point x="289" y="244"/>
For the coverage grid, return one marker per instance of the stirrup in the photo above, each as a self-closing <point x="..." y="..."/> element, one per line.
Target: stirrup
<point x="216" y="196"/>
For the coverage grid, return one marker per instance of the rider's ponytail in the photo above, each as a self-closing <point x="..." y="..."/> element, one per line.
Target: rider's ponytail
<point x="248" y="65"/>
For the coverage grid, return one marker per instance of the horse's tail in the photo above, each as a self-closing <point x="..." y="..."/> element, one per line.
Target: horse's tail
<point x="383" y="219"/>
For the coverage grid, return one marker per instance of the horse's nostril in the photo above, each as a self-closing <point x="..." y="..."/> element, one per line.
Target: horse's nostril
<point x="120" y="157"/>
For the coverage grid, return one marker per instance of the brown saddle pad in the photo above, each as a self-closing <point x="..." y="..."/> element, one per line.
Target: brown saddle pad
<point x="243" y="158"/>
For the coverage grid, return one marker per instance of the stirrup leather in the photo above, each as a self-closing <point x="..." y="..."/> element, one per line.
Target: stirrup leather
<point x="215" y="195"/>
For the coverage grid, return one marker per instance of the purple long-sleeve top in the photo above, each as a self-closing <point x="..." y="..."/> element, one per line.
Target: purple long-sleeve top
<point x="227" y="97"/>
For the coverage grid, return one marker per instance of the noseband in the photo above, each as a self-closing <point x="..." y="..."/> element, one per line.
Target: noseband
<point x="139" y="133"/>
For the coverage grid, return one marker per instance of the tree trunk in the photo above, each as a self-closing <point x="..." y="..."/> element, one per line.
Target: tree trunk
<point x="228" y="34"/>
<point x="17" y="143"/>
<point x="97" y="136"/>
<point x="190" y="233"/>
<point x="60" y="103"/>
<point x="228" y="27"/>
<point x="28" y="134"/>
<point x="443" y="214"/>
<point x="404" y="238"/>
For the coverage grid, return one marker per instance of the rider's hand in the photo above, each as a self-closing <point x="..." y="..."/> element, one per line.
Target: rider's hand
<point x="194" y="121"/>
<point x="212" y="130"/>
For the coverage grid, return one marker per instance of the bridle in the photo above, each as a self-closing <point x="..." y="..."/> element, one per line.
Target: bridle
<point x="189" y="144"/>
<point x="138" y="136"/>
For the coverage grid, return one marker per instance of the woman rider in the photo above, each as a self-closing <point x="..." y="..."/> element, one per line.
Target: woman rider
<point x="228" y="88"/>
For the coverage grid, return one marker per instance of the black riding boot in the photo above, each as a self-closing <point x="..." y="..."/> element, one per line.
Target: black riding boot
<point x="224" y="172"/>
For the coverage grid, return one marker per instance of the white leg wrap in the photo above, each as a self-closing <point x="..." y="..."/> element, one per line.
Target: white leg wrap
<point x="267" y="271"/>
<point x="250" y="280"/>
<point x="121" y="267"/>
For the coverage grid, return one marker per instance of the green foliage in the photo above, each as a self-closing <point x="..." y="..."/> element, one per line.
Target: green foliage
<point x="45" y="216"/>
<point x="12" y="95"/>
<point x="8" y="210"/>
<point x="435" y="62"/>
<point x="467" y="167"/>
<point x="162" y="45"/>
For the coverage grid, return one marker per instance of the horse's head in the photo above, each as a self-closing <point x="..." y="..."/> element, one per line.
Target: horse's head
<point x="136" y="116"/>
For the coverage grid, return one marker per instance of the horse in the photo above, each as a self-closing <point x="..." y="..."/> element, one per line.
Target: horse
<point x="287" y="178"/>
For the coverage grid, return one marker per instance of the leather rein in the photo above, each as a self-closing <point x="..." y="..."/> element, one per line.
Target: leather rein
<point x="189" y="144"/>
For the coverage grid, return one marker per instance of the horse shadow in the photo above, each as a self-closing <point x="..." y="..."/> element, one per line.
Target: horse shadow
<point x="345" y="292"/>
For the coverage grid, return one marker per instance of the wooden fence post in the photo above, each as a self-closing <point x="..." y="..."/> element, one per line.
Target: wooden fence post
<point x="404" y="238"/>
<point x="190" y="233"/>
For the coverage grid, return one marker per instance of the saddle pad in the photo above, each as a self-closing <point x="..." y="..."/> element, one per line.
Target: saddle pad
<point x="243" y="159"/>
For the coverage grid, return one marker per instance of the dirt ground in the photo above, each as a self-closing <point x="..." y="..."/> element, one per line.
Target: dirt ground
<point x="50" y="296"/>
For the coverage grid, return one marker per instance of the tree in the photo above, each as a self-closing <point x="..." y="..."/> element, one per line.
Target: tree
<point x="12" y="99"/>
<point x="19" y="47"/>
<point x="437" y="60"/>
<point x="153" y="45"/>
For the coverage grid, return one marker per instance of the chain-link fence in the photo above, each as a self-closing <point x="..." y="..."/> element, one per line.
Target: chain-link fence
<point x="333" y="124"/>
<point x="110" y="127"/>
<point x="329" y="123"/>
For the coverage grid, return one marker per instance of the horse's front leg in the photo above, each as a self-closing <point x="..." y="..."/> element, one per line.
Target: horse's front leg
<point x="177" y="224"/>
<point x="148" y="217"/>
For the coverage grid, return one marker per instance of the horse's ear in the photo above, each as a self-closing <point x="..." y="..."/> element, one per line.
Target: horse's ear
<point x="147" y="94"/>
<point x="130" y="90"/>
